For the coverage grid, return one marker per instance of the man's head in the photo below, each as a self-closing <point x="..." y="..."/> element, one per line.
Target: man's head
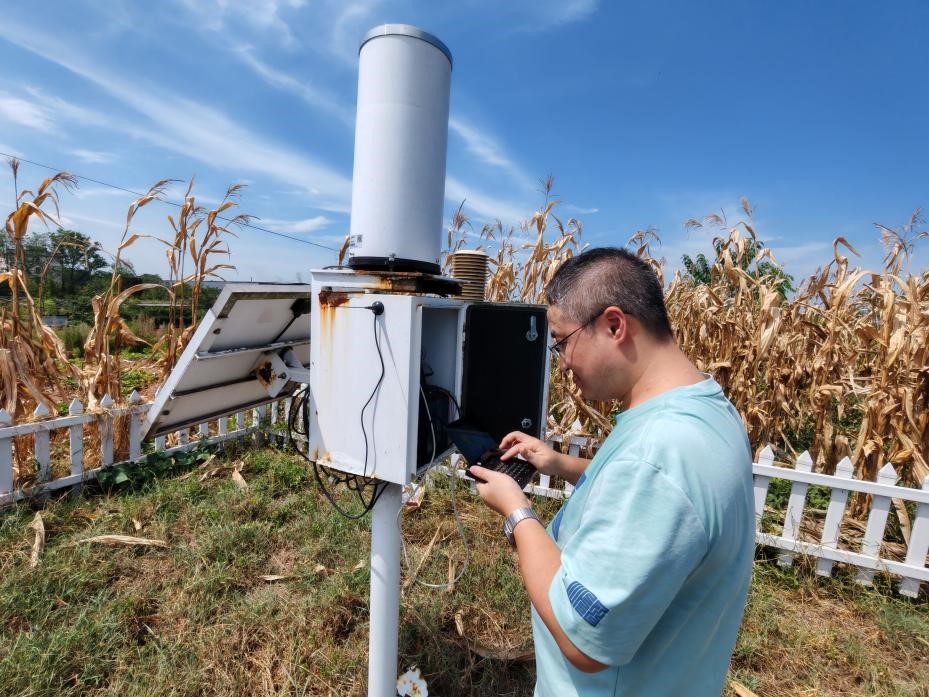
<point x="605" y="306"/>
<point x="587" y="284"/>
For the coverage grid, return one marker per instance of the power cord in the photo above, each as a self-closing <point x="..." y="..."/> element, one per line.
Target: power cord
<point x="353" y="482"/>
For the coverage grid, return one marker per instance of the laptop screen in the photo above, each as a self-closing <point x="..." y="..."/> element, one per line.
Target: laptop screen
<point x="470" y="442"/>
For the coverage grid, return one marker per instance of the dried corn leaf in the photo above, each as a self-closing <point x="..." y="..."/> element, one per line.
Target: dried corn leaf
<point x="125" y="540"/>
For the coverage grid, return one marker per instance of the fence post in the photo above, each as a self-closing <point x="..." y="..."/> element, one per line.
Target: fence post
<point x="258" y="422"/>
<point x="135" y="426"/>
<point x="106" y="430"/>
<point x="877" y="522"/>
<point x="204" y="430"/>
<point x="6" y="455"/>
<point x="760" y="484"/>
<point x="223" y="425"/>
<point x="42" y="455"/>
<point x="832" y="527"/>
<point x="76" y="442"/>
<point x="918" y="547"/>
<point x="288" y="405"/>
<point x="795" y="505"/>
<point x="574" y="450"/>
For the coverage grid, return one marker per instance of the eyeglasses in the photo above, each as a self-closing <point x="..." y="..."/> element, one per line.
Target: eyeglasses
<point x="559" y="345"/>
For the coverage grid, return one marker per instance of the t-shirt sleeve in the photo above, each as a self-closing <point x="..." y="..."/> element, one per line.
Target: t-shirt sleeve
<point x="638" y="540"/>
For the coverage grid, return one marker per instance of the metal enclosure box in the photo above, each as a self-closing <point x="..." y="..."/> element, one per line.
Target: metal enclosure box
<point x="370" y="428"/>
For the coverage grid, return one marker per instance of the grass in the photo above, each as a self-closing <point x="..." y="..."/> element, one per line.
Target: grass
<point x="198" y="618"/>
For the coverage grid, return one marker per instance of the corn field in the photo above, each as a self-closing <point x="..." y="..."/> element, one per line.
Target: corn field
<point x="34" y="369"/>
<point x="840" y="367"/>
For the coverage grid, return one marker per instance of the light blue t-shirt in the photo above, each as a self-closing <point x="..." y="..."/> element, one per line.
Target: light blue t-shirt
<point x="656" y="547"/>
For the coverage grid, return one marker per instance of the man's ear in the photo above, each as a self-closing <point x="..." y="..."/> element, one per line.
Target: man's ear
<point x="617" y="321"/>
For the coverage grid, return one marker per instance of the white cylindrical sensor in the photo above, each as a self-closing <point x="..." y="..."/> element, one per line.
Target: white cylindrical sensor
<point x="401" y="140"/>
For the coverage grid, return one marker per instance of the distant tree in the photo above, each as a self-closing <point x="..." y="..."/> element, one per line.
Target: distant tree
<point x="699" y="269"/>
<point x="77" y="257"/>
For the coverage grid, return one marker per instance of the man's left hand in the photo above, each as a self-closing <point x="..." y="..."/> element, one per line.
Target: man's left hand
<point x="499" y="491"/>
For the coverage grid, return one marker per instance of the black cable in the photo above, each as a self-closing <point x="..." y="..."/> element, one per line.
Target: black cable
<point x="300" y="307"/>
<point x="355" y="483"/>
<point x="168" y="202"/>
<point x="380" y="379"/>
<point x="320" y="472"/>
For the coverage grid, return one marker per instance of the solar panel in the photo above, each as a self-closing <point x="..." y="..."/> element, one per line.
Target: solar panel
<point x="216" y="373"/>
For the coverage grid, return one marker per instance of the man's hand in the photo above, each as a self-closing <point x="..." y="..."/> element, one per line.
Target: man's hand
<point x="534" y="451"/>
<point x="541" y="456"/>
<point x="499" y="491"/>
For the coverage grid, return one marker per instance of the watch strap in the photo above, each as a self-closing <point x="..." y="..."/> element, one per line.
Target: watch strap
<point x="514" y="519"/>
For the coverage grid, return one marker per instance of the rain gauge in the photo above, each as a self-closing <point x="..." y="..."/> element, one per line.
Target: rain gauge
<point x="391" y="350"/>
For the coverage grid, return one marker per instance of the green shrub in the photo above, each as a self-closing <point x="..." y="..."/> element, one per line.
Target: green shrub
<point x="74" y="336"/>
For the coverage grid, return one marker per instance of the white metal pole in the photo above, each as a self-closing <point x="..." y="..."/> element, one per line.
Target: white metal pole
<point x="384" y="602"/>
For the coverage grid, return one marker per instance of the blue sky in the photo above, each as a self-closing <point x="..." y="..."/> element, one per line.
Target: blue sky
<point x="646" y="114"/>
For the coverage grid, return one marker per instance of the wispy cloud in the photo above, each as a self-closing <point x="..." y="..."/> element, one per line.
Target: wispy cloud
<point x="67" y="111"/>
<point x="68" y="221"/>
<point x="348" y="26"/>
<point x="485" y="207"/>
<point x="486" y="149"/>
<point x="317" y="98"/>
<point x="192" y="129"/>
<point x="101" y="192"/>
<point x="261" y="15"/>
<point x="547" y="14"/>
<point x="571" y="208"/>
<point x="25" y="113"/>
<point x="296" y="226"/>
<point x="93" y="156"/>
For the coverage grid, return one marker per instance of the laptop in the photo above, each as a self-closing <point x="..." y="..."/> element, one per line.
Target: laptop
<point x="480" y="448"/>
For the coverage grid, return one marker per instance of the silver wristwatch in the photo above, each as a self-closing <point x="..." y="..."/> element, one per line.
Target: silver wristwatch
<point x="514" y="519"/>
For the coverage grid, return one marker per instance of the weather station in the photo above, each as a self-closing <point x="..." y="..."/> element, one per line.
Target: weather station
<point x="386" y="355"/>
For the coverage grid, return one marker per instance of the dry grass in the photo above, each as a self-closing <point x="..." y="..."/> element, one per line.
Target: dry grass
<point x="199" y="617"/>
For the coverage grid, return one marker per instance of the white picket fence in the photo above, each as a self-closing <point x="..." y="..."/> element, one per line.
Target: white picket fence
<point x="253" y="422"/>
<point x="913" y="570"/>
<point x="868" y="560"/>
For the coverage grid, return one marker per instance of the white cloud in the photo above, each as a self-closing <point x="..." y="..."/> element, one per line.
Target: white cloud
<point x="25" y="113"/>
<point x="348" y="26"/>
<point x="571" y="208"/>
<point x="546" y="14"/>
<point x="68" y="111"/>
<point x="316" y="98"/>
<point x="92" y="156"/>
<point x="486" y="208"/>
<point x="10" y="150"/>
<point x="67" y="221"/>
<point x="102" y="192"/>
<point x="295" y="226"/>
<point x="261" y="15"/>
<point x="488" y="150"/>
<point x="192" y="129"/>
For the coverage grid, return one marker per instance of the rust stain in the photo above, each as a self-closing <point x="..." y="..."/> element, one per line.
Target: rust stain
<point x="331" y="298"/>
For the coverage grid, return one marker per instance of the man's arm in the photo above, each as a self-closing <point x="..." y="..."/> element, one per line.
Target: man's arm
<point x="539" y="559"/>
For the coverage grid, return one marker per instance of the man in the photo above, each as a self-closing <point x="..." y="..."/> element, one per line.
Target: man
<point x="639" y="583"/>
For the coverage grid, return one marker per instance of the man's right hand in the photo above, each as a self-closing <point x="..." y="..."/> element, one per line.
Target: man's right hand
<point x="541" y="456"/>
<point x="534" y="451"/>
